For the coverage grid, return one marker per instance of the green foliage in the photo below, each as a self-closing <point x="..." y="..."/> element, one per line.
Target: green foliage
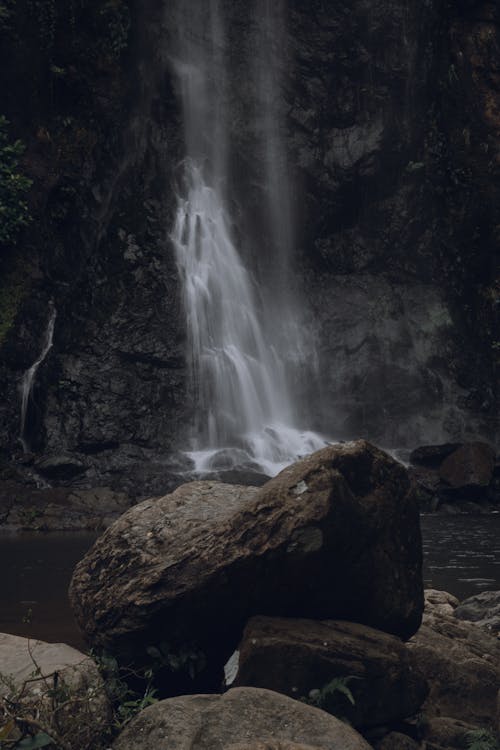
<point x="127" y="702"/>
<point x="14" y="185"/>
<point x="126" y="710"/>
<point x="14" y="286"/>
<point x="65" y="23"/>
<point x="334" y="697"/>
<point x="40" y="712"/>
<point x="116" y="17"/>
<point x="481" y="739"/>
<point x="45" y="12"/>
<point x="185" y="658"/>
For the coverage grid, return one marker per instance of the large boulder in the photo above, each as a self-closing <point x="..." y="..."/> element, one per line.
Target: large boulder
<point x="303" y="657"/>
<point x="461" y="663"/>
<point x="470" y="467"/>
<point x="482" y="609"/>
<point x="241" y="719"/>
<point x="454" y="472"/>
<point x="336" y="535"/>
<point x="53" y="689"/>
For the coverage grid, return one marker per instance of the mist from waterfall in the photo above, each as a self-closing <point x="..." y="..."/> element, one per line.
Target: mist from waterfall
<point x="242" y="341"/>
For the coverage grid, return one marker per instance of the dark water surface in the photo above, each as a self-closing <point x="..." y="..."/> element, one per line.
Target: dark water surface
<point x="461" y="555"/>
<point x="36" y="569"/>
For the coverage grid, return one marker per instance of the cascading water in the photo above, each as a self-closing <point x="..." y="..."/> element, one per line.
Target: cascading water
<point x="244" y="410"/>
<point x="28" y="379"/>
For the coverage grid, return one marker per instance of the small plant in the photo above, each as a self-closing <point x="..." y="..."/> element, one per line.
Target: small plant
<point x="41" y="711"/>
<point x="334" y="697"/>
<point x="28" y="617"/>
<point x="481" y="739"/>
<point x="126" y="701"/>
<point x="29" y="516"/>
<point x="185" y="658"/>
<point x="132" y="690"/>
<point x="126" y="710"/>
<point x="116" y="17"/>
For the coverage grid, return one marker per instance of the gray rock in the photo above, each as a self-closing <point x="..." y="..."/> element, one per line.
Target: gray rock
<point x="469" y="467"/>
<point x="452" y="475"/>
<point x="432" y="456"/>
<point x="60" y="466"/>
<point x="246" y="718"/>
<point x="482" y="609"/>
<point x="461" y="663"/>
<point x="439" y="602"/>
<point x="59" y="509"/>
<point x="446" y="733"/>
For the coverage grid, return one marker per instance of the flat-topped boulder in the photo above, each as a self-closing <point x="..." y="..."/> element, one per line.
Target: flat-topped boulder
<point x="455" y="473"/>
<point x="305" y="657"/>
<point x="334" y="536"/>
<point x="241" y="719"/>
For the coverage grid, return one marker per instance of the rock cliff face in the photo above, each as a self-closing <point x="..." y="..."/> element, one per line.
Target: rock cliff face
<point x="393" y="135"/>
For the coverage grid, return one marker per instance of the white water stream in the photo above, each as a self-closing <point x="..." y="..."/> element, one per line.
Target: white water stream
<point x="28" y="379"/>
<point x="240" y="346"/>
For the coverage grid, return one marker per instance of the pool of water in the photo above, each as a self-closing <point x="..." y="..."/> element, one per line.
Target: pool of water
<point x="461" y="555"/>
<point x="36" y="571"/>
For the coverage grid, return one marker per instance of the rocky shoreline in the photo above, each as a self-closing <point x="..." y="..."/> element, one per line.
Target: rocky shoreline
<point x="312" y="582"/>
<point x="43" y="493"/>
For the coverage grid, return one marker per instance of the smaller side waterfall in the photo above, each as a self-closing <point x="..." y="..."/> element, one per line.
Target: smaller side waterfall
<point x="28" y="379"/>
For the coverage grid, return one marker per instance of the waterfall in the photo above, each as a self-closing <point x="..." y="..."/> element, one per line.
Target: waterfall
<point x="239" y="340"/>
<point x="28" y="379"/>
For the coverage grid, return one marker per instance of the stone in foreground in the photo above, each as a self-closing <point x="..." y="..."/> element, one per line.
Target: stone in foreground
<point x="296" y="657"/>
<point x="335" y="536"/>
<point x="482" y="609"/>
<point x="462" y="665"/>
<point x="241" y="719"/>
<point x="54" y="685"/>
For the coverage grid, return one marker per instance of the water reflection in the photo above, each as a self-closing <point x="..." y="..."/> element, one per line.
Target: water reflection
<point x="461" y="553"/>
<point x="36" y="571"/>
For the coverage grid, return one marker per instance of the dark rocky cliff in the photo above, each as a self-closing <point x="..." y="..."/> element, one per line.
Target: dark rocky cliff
<point x="393" y="112"/>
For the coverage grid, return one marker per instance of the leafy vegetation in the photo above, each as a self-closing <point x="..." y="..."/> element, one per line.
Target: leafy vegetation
<point x="116" y="17"/>
<point x="61" y="25"/>
<point x="14" y="213"/>
<point x="335" y="697"/>
<point x="130" y="690"/>
<point x="41" y="712"/>
<point x="14" y="286"/>
<point x="482" y="739"/>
